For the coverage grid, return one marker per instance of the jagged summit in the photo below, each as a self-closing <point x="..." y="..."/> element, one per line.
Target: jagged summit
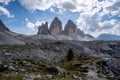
<point x="56" y="18"/>
<point x="3" y="27"/>
<point x="70" y="28"/>
<point x="43" y="29"/>
<point x="70" y="32"/>
<point x="7" y="37"/>
<point x="54" y="32"/>
<point x="55" y="27"/>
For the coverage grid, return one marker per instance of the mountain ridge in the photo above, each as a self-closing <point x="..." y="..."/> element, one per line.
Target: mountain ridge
<point x="70" y="31"/>
<point x="108" y="37"/>
<point x="55" y="32"/>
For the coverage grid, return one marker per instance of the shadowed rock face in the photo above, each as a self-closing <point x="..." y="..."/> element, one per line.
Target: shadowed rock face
<point x="7" y="37"/>
<point x="3" y="27"/>
<point x="43" y="29"/>
<point x="70" y="28"/>
<point x="79" y="32"/>
<point x="55" y="27"/>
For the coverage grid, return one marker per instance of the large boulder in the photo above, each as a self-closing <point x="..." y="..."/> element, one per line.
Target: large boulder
<point x="43" y="29"/>
<point x="55" y="27"/>
<point x="70" y="28"/>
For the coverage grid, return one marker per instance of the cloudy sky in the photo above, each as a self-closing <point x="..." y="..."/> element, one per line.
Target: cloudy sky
<point x="91" y="16"/>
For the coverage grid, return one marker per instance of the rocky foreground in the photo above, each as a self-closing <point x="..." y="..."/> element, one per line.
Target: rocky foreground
<point x="61" y="60"/>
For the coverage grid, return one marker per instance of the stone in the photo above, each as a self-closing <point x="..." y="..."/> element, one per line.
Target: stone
<point x="22" y="70"/>
<point x="7" y="54"/>
<point x="56" y="70"/>
<point x="76" y="77"/>
<point x="70" y="28"/>
<point x="84" y="66"/>
<point x="5" y="66"/>
<point x="28" y="64"/>
<point x="50" y="76"/>
<point x="43" y="29"/>
<point x="56" y="49"/>
<point x="60" y="70"/>
<point x="55" y="27"/>
<point x="11" y="68"/>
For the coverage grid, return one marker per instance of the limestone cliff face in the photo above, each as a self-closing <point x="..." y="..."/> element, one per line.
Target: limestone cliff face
<point x="43" y="29"/>
<point x="55" y="27"/>
<point x="70" y="28"/>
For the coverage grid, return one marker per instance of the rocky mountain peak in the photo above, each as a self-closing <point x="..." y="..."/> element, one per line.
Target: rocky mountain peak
<point x="56" y="18"/>
<point x="3" y="27"/>
<point x="43" y="29"/>
<point x="70" y="28"/>
<point x="70" y="31"/>
<point x="71" y="23"/>
<point x="56" y="27"/>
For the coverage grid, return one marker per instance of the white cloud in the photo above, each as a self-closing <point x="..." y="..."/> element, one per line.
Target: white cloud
<point x="91" y="12"/>
<point x="109" y="27"/>
<point x="90" y="20"/>
<point x="30" y="25"/>
<point x="6" y="12"/>
<point x="115" y="7"/>
<point x="26" y="19"/>
<point x="36" y="4"/>
<point x="52" y="10"/>
<point x="3" y="10"/>
<point x="35" y="25"/>
<point x="5" y="1"/>
<point x="115" y="30"/>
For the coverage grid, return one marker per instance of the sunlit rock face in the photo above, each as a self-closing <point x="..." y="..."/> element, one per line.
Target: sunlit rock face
<point x="70" y="28"/>
<point x="55" y="27"/>
<point x="43" y="29"/>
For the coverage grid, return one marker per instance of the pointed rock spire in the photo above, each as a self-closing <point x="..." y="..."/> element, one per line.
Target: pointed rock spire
<point x="43" y="29"/>
<point x="70" y="28"/>
<point x="55" y="27"/>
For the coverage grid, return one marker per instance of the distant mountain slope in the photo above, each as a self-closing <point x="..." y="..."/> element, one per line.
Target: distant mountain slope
<point x="108" y="37"/>
<point x="8" y="37"/>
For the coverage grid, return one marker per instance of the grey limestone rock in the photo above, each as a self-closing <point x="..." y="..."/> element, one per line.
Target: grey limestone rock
<point x="70" y="28"/>
<point x="55" y="27"/>
<point x="3" y="27"/>
<point x="11" y="68"/>
<point x="43" y="29"/>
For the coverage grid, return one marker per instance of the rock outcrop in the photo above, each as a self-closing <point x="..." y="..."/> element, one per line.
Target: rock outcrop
<point x="70" y="28"/>
<point x="55" y="27"/>
<point x="79" y="32"/>
<point x="43" y="29"/>
<point x="3" y="27"/>
<point x="7" y="37"/>
<point x="55" y="32"/>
